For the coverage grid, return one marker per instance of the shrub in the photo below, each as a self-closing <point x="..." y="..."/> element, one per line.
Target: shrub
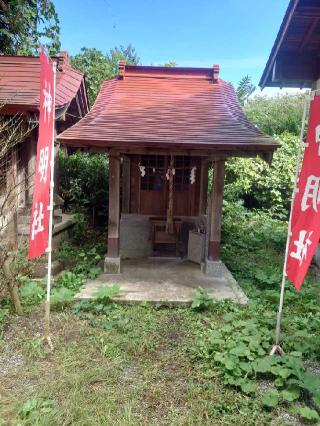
<point x="260" y="185"/>
<point x="276" y="115"/>
<point x="84" y="184"/>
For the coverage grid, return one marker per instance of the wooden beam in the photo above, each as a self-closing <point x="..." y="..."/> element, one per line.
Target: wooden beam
<point x="296" y="68"/>
<point x="310" y="32"/>
<point x="114" y="205"/>
<point x="216" y="211"/>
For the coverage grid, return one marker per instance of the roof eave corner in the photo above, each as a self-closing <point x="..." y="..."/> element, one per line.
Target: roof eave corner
<point x="215" y="75"/>
<point x="121" y="69"/>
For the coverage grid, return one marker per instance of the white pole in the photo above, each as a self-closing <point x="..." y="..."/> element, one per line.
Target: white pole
<point x="50" y="208"/>
<point x="276" y="349"/>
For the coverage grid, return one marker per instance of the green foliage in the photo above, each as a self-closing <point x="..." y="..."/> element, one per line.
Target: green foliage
<point x="169" y="64"/>
<point x="201" y="300"/>
<point x="70" y="281"/>
<point x="270" y="398"/>
<point x="98" y="67"/>
<point x="260" y="185"/>
<point x="276" y="115"/>
<point x="99" y="310"/>
<point x="94" y="64"/>
<point x="31" y="293"/>
<point x="33" y="410"/>
<point x="238" y="346"/>
<point x="245" y="89"/>
<point x="309" y="414"/>
<point x="126" y="53"/>
<point x="26" y="23"/>
<point x="83" y="264"/>
<point x="61" y="295"/>
<point x="84" y="184"/>
<point x="253" y="181"/>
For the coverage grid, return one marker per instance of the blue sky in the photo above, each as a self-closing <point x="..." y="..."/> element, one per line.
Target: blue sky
<point x="237" y="34"/>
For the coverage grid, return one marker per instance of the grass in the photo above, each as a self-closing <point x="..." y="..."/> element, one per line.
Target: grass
<point x="150" y="365"/>
<point x="137" y="372"/>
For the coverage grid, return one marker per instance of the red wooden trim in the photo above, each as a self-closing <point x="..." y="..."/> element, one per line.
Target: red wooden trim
<point x="114" y="205"/>
<point x="113" y="247"/>
<point x="214" y="250"/>
<point x="216" y="210"/>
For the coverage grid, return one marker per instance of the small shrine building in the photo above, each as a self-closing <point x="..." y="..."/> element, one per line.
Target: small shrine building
<point x="162" y="128"/>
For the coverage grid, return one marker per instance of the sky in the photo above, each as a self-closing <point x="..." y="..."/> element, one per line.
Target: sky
<point x="236" y="34"/>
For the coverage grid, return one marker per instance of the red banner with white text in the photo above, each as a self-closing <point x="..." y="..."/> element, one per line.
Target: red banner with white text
<point x="39" y="226"/>
<point x="305" y="222"/>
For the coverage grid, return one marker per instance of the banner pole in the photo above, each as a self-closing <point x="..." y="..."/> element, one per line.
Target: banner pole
<point x="50" y="208"/>
<point x="276" y="349"/>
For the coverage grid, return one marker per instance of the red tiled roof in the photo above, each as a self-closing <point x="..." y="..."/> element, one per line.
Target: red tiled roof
<point x="20" y="79"/>
<point x="167" y="107"/>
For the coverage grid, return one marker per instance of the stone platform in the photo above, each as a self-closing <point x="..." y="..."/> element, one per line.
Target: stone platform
<point x="166" y="281"/>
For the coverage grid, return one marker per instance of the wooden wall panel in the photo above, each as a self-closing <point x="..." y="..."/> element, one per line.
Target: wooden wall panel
<point x="152" y="202"/>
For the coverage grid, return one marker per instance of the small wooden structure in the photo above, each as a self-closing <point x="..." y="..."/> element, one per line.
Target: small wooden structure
<point x="161" y="128"/>
<point x="294" y="58"/>
<point x="19" y="95"/>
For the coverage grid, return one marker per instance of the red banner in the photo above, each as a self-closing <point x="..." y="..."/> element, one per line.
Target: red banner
<point x="305" y="223"/>
<point x="39" y="226"/>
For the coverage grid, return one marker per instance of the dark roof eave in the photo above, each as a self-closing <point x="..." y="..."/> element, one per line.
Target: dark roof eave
<point x="277" y="44"/>
<point x="252" y="147"/>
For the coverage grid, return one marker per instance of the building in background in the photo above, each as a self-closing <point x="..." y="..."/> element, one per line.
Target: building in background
<point x="294" y="60"/>
<point x="19" y="95"/>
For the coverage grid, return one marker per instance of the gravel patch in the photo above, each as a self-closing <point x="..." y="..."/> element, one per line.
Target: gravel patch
<point x="10" y="362"/>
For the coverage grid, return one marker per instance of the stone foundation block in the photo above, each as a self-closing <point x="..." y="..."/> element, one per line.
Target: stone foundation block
<point x="135" y="238"/>
<point x="214" y="268"/>
<point x="112" y="265"/>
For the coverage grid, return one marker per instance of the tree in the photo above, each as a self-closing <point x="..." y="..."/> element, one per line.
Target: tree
<point x="26" y="23"/>
<point x="245" y="89"/>
<point x="278" y="114"/>
<point x="97" y="67"/>
<point x="117" y="54"/>
<point x="252" y="180"/>
<point x="170" y="64"/>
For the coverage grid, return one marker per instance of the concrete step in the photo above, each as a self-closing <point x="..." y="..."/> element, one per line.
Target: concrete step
<point x="57" y="219"/>
<point x="41" y="268"/>
<point x="24" y="221"/>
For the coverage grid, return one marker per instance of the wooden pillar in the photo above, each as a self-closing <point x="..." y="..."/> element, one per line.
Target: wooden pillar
<point x="216" y="210"/>
<point x="203" y="186"/>
<point x="12" y="201"/>
<point x="114" y="205"/>
<point x="126" y="184"/>
<point x="31" y="166"/>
